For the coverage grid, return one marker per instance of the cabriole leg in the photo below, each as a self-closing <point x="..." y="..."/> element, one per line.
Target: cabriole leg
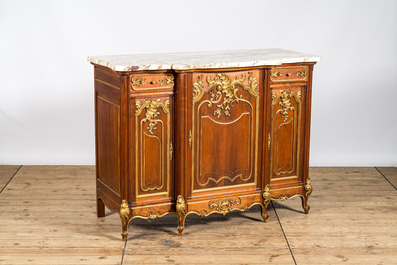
<point x="181" y="213"/>
<point x="265" y="216"/>
<point x="124" y="216"/>
<point x="306" y="195"/>
<point x="266" y="200"/>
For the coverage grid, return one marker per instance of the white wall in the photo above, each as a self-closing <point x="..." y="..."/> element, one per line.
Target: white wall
<point x="46" y="84"/>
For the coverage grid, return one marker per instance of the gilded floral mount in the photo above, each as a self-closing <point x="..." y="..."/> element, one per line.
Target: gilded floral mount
<point x="285" y="101"/>
<point x="151" y="107"/>
<point x="222" y="87"/>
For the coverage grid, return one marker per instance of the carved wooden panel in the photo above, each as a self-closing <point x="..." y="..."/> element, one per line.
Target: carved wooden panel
<point x="153" y="146"/>
<point x="285" y="137"/>
<point x="108" y="137"/>
<point x="224" y="131"/>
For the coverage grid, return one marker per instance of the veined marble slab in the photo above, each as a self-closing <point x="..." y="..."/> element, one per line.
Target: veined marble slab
<point x="201" y="60"/>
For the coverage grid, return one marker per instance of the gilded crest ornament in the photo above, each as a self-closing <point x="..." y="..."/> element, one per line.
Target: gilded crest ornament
<point x="222" y="87"/>
<point x="224" y="206"/>
<point x="283" y="198"/>
<point x="151" y="111"/>
<point x="285" y="101"/>
<point x="152" y="215"/>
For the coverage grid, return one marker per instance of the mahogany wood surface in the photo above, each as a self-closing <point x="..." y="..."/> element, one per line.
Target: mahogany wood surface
<point x="201" y="141"/>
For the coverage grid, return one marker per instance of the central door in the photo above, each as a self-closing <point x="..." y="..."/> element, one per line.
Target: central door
<point x="224" y="131"/>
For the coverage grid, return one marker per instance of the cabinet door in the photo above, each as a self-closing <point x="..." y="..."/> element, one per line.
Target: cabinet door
<point x="152" y="134"/>
<point x="286" y="132"/>
<point x="224" y="131"/>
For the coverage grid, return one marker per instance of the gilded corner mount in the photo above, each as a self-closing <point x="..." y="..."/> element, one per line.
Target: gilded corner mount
<point x="266" y="196"/>
<point x="124" y="212"/>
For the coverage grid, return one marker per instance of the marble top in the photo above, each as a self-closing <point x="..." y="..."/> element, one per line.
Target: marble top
<point x="201" y="60"/>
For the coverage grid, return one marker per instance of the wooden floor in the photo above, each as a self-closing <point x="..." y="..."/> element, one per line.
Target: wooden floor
<point x="47" y="216"/>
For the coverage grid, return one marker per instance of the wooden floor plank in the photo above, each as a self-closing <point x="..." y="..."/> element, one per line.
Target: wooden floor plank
<point x="366" y="221"/>
<point x="236" y="229"/>
<point x="48" y="216"/>
<point x="390" y="174"/>
<point x="6" y="173"/>
<point x="60" y="256"/>
<point x="362" y="256"/>
<point x="208" y="256"/>
<point x="214" y="239"/>
<point x="22" y="258"/>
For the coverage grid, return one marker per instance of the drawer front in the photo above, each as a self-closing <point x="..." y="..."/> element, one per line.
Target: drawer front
<point x="289" y="74"/>
<point x="144" y="82"/>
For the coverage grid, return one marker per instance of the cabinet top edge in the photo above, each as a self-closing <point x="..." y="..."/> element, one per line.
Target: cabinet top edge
<point x="202" y="60"/>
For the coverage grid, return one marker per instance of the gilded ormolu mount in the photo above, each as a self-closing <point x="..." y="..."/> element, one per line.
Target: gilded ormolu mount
<point x="223" y="87"/>
<point x="151" y="111"/>
<point x="152" y="81"/>
<point x="180" y="213"/>
<point x="137" y="82"/>
<point x="124" y="216"/>
<point x="224" y="206"/>
<point x="307" y="187"/>
<point x="285" y="101"/>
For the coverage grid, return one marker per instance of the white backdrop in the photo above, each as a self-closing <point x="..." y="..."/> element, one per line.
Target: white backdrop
<point x="46" y="84"/>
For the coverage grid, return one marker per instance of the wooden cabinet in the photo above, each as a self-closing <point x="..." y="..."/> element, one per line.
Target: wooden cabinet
<point x="201" y="140"/>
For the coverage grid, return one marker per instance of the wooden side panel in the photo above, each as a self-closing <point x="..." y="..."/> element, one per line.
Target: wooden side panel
<point x="109" y="144"/>
<point x="224" y="130"/>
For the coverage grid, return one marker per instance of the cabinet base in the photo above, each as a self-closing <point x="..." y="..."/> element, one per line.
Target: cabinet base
<point x="207" y="207"/>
